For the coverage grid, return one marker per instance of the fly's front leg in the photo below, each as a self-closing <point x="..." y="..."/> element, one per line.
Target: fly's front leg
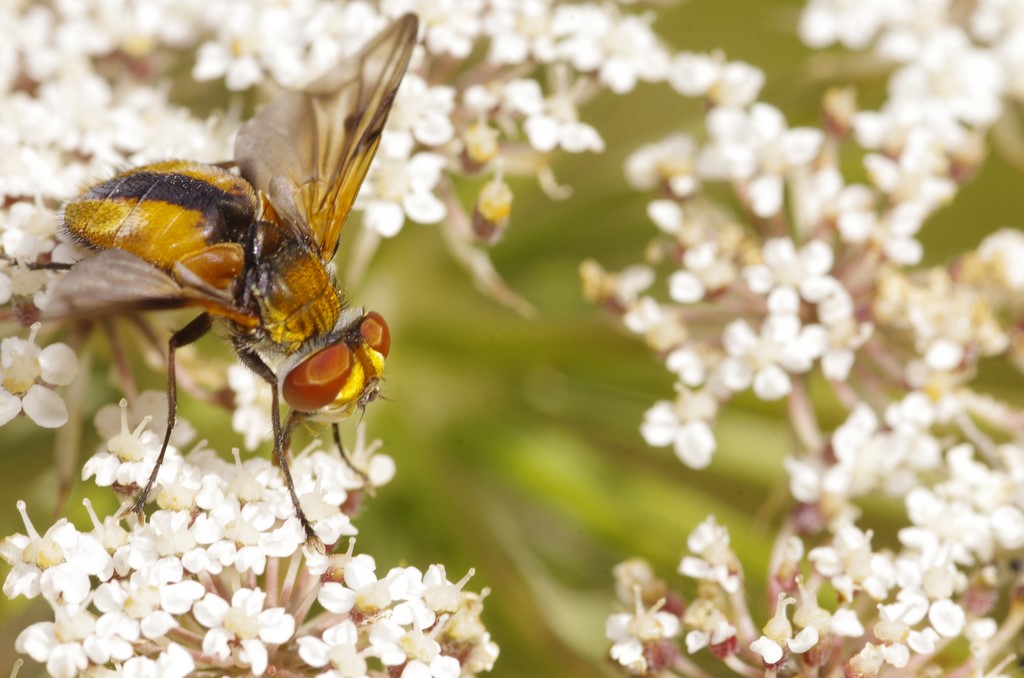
<point x="282" y="437"/>
<point x="189" y="334"/>
<point x="296" y="418"/>
<point x="348" y="461"/>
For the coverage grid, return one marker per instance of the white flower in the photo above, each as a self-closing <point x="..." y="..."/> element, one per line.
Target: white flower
<point x="174" y="662"/>
<point x="853" y="24"/>
<point x="685" y="426"/>
<point x="756" y="146"/>
<point x="249" y="43"/>
<point x="27" y="230"/>
<point x="519" y="30"/>
<point x="149" y="600"/>
<point x="620" y="49"/>
<point x="251" y="414"/>
<point x="422" y="111"/>
<point x="58" y="564"/>
<point x="778" y="635"/>
<point x="1002" y="253"/>
<point x="360" y="588"/>
<point x="237" y="534"/>
<point x="713" y="559"/>
<point x="149" y="404"/>
<point x="631" y="632"/>
<point x="851" y="564"/>
<point x="448" y="26"/>
<point x="26" y="375"/>
<point x="732" y="83"/>
<point x="242" y="629"/>
<point x="399" y="188"/>
<point x="784" y="346"/>
<point x="669" y="162"/>
<point x="131" y="456"/>
<point x="551" y="122"/>
<point x="61" y="643"/>
<point x="950" y="77"/>
<point x="706" y="268"/>
<point x="787" y="272"/>
<point x="338" y="648"/>
<point x="711" y="627"/>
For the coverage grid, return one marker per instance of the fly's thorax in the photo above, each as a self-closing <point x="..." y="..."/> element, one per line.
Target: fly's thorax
<point x="290" y="288"/>
<point x="332" y="378"/>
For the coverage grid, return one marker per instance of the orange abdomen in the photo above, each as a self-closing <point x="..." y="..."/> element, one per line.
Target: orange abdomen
<point x="165" y="212"/>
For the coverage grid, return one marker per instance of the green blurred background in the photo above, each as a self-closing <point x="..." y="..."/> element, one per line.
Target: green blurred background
<point x="517" y="439"/>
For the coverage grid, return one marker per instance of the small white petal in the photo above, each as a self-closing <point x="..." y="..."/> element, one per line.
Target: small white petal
<point x="836" y="364"/>
<point x="542" y="132"/>
<point x="37" y="641"/>
<point x="845" y="622"/>
<point x="695" y="444"/>
<point x="210" y="610"/>
<point x="178" y="598"/>
<point x="944" y="354"/>
<point x="67" y="660"/>
<point x="771" y="383"/>
<point x="254" y="653"/>
<point x="58" y="364"/>
<point x="685" y="287"/>
<point x="384" y="217"/>
<point x="804" y="641"/>
<point x="696" y="640"/>
<point x="276" y="625"/>
<point x="687" y="365"/>
<point x="424" y="207"/>
<point x="156" y="624"/>
<point x="735" y="374"/>
<point x="45" y="407"/>
<point x="1008" y="526"/>
<point x="666" y="215"/>
<point x="313" y="651"/>
<point x="10" y="406"/>
<point x="739" y="338"/>
<point x="801" y="145"/>
<point x="770" y="651"/>
<point x="765" y="194"/>
<point x="784" y="301"/>
<point x="336" y="597"/>
<point x="947" y="618"/>
<point x="923" y="642"/>
<point x="759" y="278"/>
<point x="897" y="654"/>
<point x="175" y="662"/>
<point x="660" y="425"/>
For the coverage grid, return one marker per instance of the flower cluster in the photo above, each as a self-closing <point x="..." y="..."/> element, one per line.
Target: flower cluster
<point x="218" y="578"/>
<point x="495" y="90"/>
<point x="806" y="278"/>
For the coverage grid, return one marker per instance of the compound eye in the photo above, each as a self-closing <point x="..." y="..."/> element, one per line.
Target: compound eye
<point x="376" y="333"/>
<point x="317" y="380"/>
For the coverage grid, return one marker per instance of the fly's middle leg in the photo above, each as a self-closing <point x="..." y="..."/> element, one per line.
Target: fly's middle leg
<point x="281" y="438"/>
<point x="189" y="334"/>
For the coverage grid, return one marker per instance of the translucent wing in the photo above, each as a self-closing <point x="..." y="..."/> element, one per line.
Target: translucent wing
<point x="114" y="282"/>
<point x="309" y="150"/>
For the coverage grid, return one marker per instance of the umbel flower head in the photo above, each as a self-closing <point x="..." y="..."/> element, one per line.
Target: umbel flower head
<point x="217" y="578"/>
<point x="806" y="281"/>
<point x="495" y="90"/>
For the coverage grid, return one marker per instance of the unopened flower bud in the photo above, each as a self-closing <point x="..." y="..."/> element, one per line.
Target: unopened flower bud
<point x="481" y="145"/>
<point x="493" y="206"/>
<point x="840" y="106"/>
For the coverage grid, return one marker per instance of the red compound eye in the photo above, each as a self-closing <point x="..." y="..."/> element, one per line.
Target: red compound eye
<point x="375" y="333"/>
<point x="317" y="380"/>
